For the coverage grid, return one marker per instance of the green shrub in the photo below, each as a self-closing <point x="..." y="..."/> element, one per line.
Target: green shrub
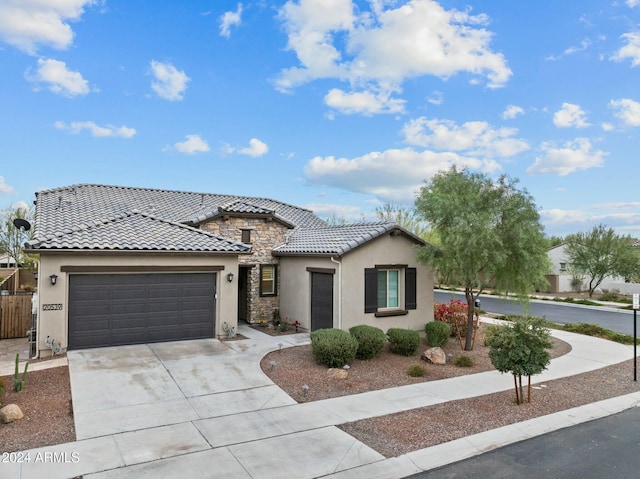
<point x="438" y="333"/>
<point x="416" y="370"/>
<point x="3" y="389"/>
<point x="370" y="341"/>
<point x="333" y="347"/>
<point x="403" y="341"/>
<point x="463" y="361"/>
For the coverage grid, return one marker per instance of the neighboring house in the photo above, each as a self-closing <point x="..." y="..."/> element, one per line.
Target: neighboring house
<point x="7" y="261"/>
<point x="121" y="265"/>
<point x="563" y="279"/>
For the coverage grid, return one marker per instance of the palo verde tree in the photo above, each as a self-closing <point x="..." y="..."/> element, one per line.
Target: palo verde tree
<point x="600" y="253"/>
<point x="489" y="234"/>
<point x="520" y="348"/>
<point x="408" y="218"/>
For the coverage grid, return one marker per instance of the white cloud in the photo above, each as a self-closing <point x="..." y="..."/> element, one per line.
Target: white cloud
<point x="61" y="80"/>
<point x="623" y="217"/>
<point x="230" y="19"/>
<point x="476" y="138"/>
<point x="573" y="156"/>
<point x="333" y="39"/>
<point x="436" y="98"/>
<point x="27" y="24"/>
<point x="193" y="144"/>
<point x="633" y="3"/>
<point x="560" y="216"/>
<point x="170" y="83"/>
<point x="255" y="149"/>
<point x="365" y="102"/>
<point x="511" y="112"/>
<point x="627" y="110"/>
<point x="584" y="44"/>
<point x="631" y="50"/>
<point x="5" y="189"/>
<point x="392" y="175"/>
<point x="96" y="130"/>
<point x="570" y="115"/>
<point x="607" y="126"/>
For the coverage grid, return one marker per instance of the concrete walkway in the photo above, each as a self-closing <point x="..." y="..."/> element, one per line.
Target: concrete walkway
<point x="205" y="409"/>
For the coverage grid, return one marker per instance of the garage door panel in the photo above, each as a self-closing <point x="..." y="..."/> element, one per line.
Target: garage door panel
<point x="112" y="309"/>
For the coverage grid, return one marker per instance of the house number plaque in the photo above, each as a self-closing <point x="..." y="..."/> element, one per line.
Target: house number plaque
<point x="52" y="307"/>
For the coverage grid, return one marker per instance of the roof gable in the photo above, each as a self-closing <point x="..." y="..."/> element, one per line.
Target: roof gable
<point x="339" y="240"/>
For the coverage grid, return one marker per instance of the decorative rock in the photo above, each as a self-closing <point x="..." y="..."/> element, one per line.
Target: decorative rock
<point x="338" y="373"/>
<point x="10" y="413"/>
<point x="434" y="356"/>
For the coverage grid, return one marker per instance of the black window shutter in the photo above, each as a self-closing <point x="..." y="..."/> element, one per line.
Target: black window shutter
<point x="370" y="290"/>
<point x="410" y="299"/>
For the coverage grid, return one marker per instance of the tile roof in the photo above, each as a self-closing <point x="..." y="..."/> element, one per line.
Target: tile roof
<point x="337" y="240"/>
<point x="137" y="231"/>
<point x="99" y="217"/>
<point x="63" y="211"/>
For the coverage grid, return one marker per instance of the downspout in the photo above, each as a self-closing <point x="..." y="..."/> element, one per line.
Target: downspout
<point x="37" y="356"/>
<point x="339" y="291"/>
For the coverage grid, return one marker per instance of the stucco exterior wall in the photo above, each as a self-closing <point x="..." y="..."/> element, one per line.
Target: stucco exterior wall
<point x="385" y="250"/>
<point x="54" y="323"/>
<point x="295" y="287"/>
<point x="295" y="300"/>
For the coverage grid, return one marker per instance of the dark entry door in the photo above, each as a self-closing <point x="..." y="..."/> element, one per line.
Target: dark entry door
<point x="321" y="301"/>
<point x="119" y="309"/>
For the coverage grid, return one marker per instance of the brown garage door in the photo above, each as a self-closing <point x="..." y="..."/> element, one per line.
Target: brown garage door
<point x="119" y="309"/>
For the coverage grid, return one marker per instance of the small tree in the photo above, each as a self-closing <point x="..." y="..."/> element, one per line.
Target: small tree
<point x="601" y="253"/>
<point x="489" y="234"/>
<point x="12" y="239"/>
<point x="520" y="348"/>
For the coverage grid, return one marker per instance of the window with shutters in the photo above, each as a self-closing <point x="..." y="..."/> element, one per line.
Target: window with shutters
<point x="246" y="236"/>
<point x="390" y="290"/>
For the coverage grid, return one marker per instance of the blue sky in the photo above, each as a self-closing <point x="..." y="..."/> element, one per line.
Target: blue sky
<point x="335" y="105"/>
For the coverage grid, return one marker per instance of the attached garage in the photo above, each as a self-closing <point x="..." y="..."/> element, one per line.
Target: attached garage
<point x="120" y="309"/>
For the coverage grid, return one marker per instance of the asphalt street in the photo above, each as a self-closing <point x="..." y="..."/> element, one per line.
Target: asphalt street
<point x="604" y="448"/>
<point x="617" y="320"/>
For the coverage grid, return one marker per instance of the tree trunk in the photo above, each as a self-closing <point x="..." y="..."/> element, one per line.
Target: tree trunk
<point x="468" y="293"/>
<point x="515" y="382"/>
<point x="529" y="390"/>
<point x="521" y="391"/>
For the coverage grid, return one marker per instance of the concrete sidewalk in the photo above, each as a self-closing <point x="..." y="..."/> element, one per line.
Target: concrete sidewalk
<point x="229" y="420"/>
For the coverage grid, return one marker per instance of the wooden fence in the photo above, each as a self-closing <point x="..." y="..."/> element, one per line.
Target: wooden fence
<point x="15" y="316"/>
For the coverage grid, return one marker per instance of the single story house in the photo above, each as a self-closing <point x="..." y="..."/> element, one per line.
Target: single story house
<point x="122" y="265"/>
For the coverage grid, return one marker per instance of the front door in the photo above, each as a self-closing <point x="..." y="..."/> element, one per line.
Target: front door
<point x="321" y="301"/>
<point x="243" y="293"/>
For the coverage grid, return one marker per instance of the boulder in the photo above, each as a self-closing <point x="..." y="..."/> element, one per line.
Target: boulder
<point x="10" y="413"/>
<point x="338" y="373"/>
<point x="434" y="356"/>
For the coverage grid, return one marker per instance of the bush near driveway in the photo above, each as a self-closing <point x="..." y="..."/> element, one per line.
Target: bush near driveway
<point x="370" y="340"/>
<point x="333" y="347"/>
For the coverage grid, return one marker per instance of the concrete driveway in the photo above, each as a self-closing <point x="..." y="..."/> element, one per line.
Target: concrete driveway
<point x="202" y="406"/>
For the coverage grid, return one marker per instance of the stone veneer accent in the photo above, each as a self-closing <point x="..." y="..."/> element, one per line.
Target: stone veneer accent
<point x="265" y="235"/>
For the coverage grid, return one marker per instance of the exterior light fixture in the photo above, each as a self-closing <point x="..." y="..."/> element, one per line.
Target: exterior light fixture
<point x="54" y="279"/>
<point x="230" y="277"/>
